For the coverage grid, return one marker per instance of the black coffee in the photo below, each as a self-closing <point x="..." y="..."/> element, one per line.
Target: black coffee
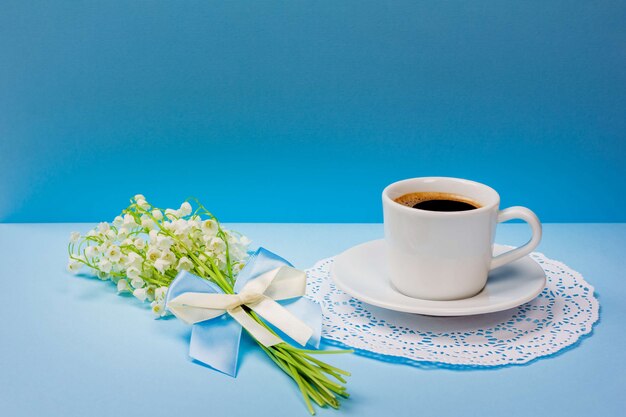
<point x="444" y="205"/>
<point x="434" y="201"/>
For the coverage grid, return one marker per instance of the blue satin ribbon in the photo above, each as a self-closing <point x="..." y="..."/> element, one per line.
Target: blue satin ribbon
<point x="216" y="342"/>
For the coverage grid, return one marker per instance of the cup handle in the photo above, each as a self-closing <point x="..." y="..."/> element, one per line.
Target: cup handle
<point x="529" y="217"/>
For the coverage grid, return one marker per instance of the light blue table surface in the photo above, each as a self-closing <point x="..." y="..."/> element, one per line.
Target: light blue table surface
<point x="70" y="346"/>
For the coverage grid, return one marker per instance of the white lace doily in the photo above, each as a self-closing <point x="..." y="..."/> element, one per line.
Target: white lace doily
<point x="556" y="319"/>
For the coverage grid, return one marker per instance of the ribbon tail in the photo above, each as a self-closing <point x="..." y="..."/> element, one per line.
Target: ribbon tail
<point x="283" y="320"/>
<point x="216" y="344"/>
<point x="310" y="313"/>
<point x="260" y="333"/>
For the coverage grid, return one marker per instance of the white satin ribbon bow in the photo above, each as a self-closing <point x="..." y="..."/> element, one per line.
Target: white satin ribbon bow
<point x="260" y="295"/>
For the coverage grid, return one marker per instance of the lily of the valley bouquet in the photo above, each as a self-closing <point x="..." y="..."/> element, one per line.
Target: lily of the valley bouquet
<point x="183" y="262"/>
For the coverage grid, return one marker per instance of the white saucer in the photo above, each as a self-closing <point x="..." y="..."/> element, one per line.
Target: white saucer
<point x="361" y="272"/>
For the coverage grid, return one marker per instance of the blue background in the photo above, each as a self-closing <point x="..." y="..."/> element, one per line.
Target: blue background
<point x="303" y="111"/>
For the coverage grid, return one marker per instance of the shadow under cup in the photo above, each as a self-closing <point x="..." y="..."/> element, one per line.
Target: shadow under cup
<point x="437" y="255"/>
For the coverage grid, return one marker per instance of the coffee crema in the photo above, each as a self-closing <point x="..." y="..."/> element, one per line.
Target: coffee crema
<point x="437" y="201"/>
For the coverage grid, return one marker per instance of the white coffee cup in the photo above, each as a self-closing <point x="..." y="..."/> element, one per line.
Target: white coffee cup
<point x="438" y="255"/>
